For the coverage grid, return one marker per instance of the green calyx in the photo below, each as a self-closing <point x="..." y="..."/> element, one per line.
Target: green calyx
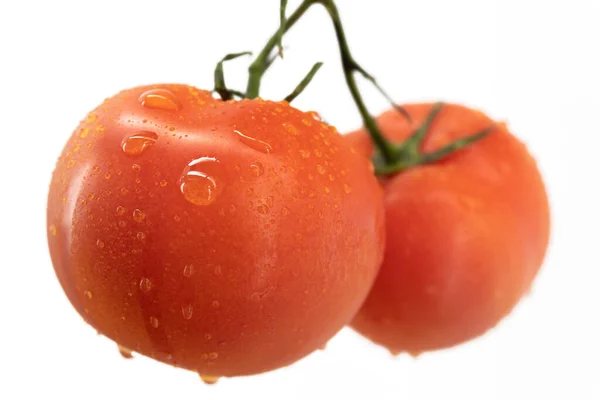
<point x="409" y="153"/>
<point x="391" y="158"/>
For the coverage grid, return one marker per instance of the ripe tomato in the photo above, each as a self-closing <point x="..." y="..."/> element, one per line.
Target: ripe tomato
<point x="229" y="238"/>
<point x="465" y="236"/>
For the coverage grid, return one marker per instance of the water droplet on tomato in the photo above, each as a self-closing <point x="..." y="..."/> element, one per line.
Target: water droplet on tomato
<point x="263" y="209"/>
<point x="139" y="215"/>
<point x="315" y="115"/>
<point x="257" y="169"/>
<point x="88" y="294"/>
<point x="215" y="304"/>
<point x="125" y="352"/>
<point x="163" y="183"/>
<point x="198" y="182"/>
<point x="347" y="188"/>
<point x="189" y="270"/>
<point x="99" y="244"/>
<point x="141" y="235"/>
<point x="145" y="285"/>
<point x="161" y="99"/>
<point x="139" y="142"/>
<point x="289" y="128"/>
<point x="270" y="201"/>
<point x="154" y="322"/>
<point x="187" y="311"/>
<point x="52" y="230"/>
<point x="285" y="211"/>
<point x="254" y="143"/>
<point x="120" y="210"/>
<point x="209" y="379"/>
<point x="136" y="167"/>
<point x="213" y="356"/>
<point x="320" y="169"/>
<point x="305" y="153"/>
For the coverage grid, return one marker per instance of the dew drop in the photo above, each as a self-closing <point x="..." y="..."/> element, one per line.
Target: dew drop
<point x="331" y="178"/>
<point x="187" y="311"/>
<point x="138" y="143"/>
<point x="154" y="322"/>
<point x="347" y="188"/>
<point x="215" y="304"/>
<point x="253" y="143"/>
<point x="141" y="235"/>
<point x="84" y="133"/>
<point x="162" y="99"/>
<point x="209" y="379"/>
<point x="285" y="211"/>
<point x="120" y="210"/>
<point x="88" y="294"/>
<point x="136" y="167"/>
<point x="257" y="169"/>
<point x="198" y="183"/>
<point x="99" y="244"/>
<point x="249" y="192"/>
<point x="213" y="356"/>
<point x="290" y="129"/>
<point x="145" y="285"/>
<point x="315" y="115"/>
<point x="305" y="153"/>
<point x="263" y="209"/>
<point x="320" y="169"/>
<point x="189" y="270"/>
<point x="327" y="190"/>
<point x="125" y="352"/>
<point x="139" y="215"/>
<point x="52" y="230"/>
<point x="163" y="183"/>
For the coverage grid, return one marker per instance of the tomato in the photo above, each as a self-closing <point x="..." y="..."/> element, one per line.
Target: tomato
<point x="465" y="235"/>
<point x="228" y="238"/>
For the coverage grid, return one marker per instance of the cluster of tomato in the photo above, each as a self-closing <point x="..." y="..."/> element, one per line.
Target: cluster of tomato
<point x="235" y="237"/>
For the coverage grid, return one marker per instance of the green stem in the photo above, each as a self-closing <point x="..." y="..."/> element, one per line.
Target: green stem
<point x="304" y="83"/>
<point x="220" y="86"/>
<point x="261" y="63"/>
<point x="350" y="66"/>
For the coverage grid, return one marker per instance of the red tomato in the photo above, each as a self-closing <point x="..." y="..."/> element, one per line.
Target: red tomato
<point x="229" y="238"/>
<point x="465" y="236"/>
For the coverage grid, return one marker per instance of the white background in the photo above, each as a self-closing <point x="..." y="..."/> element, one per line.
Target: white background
<point x="533" y="63"/>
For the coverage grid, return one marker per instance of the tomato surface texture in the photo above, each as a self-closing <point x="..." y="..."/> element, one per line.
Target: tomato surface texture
<point x="228" y="238"/>
<point x="465" y="236"/>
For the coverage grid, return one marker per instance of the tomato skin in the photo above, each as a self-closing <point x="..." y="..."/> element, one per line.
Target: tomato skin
<point x="237" y="275"/>
<point x="465" y="236"/>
